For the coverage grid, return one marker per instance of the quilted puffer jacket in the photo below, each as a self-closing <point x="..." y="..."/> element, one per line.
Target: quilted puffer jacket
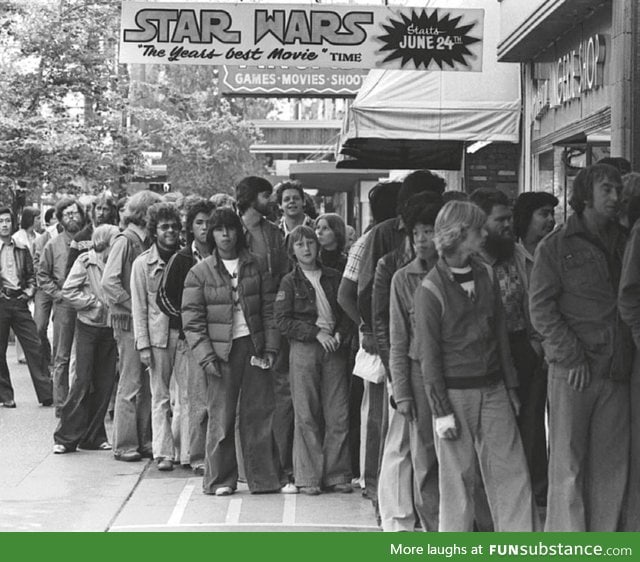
<point x="207" y="307"/>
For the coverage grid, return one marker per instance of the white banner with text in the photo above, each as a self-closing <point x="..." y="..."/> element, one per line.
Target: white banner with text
<point x="302" y="35"/>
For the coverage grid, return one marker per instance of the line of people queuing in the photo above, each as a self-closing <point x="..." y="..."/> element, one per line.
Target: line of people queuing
<point x="226" y="342"/>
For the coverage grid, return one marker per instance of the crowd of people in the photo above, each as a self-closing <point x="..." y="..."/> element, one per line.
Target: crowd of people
<point x="496" y="353"/>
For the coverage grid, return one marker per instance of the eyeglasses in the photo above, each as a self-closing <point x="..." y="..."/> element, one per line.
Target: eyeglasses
<point x="164" y="227"/>
<point x="70" y="214"/>
<point x="6" y="221"/>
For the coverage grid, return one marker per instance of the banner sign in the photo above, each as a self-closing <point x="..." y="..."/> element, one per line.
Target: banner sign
<point x="294" y="82"/>
<point x="302" y="35"/>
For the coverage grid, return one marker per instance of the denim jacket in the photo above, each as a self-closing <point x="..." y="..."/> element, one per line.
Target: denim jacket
<point x="462" y="342"/>
<point x="150" y="324"/>
<point x="295" y="307"/>
<point x="573" y="301"/>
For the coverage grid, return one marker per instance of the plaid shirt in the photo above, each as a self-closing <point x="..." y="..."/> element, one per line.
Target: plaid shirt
<point x="512" y="291"/>
<point x="352" y="269"/>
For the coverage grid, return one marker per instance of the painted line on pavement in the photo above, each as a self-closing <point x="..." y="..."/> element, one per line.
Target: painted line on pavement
<point x="233" y="512"/>
<point x="181" y="504"/>
<point x="301" y="525"/>
<point x="289" y="512"/>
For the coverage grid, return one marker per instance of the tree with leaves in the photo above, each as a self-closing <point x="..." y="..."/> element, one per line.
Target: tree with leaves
<point x="72" y="118"/>
<point x="63" y="99"/>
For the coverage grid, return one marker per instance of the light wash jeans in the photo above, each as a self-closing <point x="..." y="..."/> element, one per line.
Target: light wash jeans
<point x="320" y="390"/>
<point x="487" y="435"/>
<point x="132" y="416"/>
<point x="165" y="437"/>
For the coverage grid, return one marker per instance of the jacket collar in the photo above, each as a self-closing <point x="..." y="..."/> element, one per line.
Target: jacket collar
<point x="419" y="266"/>
<point x="522" y="253"/>
<point x="93" y="259"/>
<point x="154" y="256"/>
<point x="474" y="263"/>
<point x="324" y="271"/>
<point x="141" y="232"/>
<point x="244" y="256"/>
<point x="575" y="227"/>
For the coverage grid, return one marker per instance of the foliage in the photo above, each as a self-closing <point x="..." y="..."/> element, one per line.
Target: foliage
<point x="63" y="96"/>
<point x="204" y="138"/>
<point x="73" y="118"/>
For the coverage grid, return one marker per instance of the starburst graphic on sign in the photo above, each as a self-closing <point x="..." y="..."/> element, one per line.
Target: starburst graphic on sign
<point x="424" y="39"/>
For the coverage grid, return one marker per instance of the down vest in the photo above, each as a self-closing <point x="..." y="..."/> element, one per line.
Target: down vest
<point x="207" y="307"/>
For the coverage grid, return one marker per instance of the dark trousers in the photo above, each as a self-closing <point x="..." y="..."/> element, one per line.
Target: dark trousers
<point x="532" y="392"/>
<point x="283" y="415"/>
<point x="15" y="314"/>
<point x="83" y="412"/>
<point x="254" y="388"/>
<point x="42" y="306"/>
<point x="373" y="445"/>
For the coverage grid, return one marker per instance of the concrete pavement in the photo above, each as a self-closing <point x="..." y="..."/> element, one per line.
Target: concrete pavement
<point x="40" y="491"/>
<point x="90" y="491"/>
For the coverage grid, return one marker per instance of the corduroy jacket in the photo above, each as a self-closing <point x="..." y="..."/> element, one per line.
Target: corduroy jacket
<point x="461" y="341"/>
<point x="207" y="307"/>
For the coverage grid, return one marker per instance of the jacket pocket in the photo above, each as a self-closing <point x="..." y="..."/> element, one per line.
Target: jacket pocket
<point x="581" y="269"/>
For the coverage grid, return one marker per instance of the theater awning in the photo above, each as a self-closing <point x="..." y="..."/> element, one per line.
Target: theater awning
<point x="434" y="113"/>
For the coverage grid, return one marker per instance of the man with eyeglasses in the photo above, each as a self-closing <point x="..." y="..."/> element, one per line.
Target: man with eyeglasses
<point x="155" y="340"/>
<point x="17" y="285"/>
<point x="51" y="274"/>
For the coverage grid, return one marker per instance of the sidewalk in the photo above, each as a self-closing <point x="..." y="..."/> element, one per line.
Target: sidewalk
<point x="40" y="491"/>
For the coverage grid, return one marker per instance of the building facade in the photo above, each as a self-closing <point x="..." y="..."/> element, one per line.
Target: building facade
<point x="578" y="67"/>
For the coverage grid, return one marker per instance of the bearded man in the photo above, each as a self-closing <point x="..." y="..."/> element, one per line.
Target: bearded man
<point x="501" y="252"/>
<point x="51" y="274"/>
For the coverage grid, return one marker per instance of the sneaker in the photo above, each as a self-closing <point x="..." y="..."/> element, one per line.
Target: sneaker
<point x="340" y="488"/>
<point x="310" y="490"/>
<point x="198" y="470"/>
<point x="289" y="489"/>
<point x="224" y="491"/>
<point x="59" y="449"/>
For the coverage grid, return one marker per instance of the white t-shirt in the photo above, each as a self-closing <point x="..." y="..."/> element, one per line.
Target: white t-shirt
<point x="326" y="322"/>
<point x="464" y="276"/>
<point x="240" y="326"/>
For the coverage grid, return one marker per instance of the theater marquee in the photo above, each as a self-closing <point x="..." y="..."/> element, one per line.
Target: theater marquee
<point x="307" y="35"/>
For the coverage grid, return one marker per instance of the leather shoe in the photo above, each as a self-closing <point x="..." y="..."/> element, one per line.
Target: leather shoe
<point x="146" y="454"/>
<point x="130" y="456"/>
<point x="165" y="464"/>
<point x="9" y="404"/>
<point x="341" y="488"/>
<point x="47" y="403"/>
